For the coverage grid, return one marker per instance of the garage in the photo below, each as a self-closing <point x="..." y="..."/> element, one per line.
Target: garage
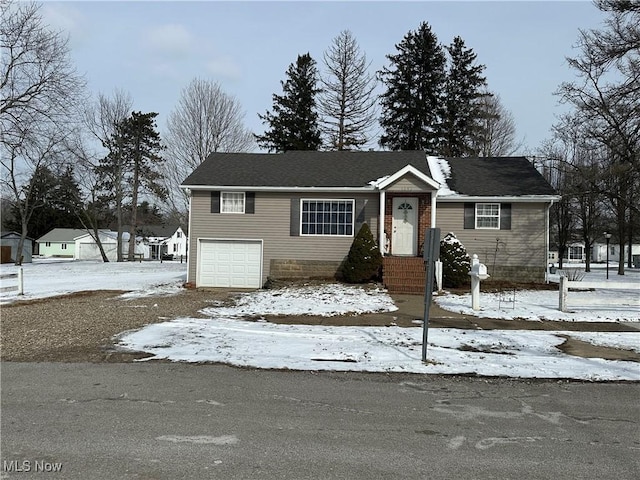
<point x="230" y="263"/>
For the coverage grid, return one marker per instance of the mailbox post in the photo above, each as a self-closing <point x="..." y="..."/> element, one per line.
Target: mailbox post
<point x="478" y="272"/>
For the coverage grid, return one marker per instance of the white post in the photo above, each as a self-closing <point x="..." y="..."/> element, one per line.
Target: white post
<point x="475" y="283"/>
<point x="438" y="269"/>
<point x="478" y="272"/>
<point x="20" y="282"/>
<point x="564" y="292"/>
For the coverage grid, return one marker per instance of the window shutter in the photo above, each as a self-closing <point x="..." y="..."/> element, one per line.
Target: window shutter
<point x="359" y="214"/>
<point x="295" y="217"/>
<point x="215" y="202"/>
<point x="250" y="202"/>
<point x="469" y="216"/>
<point x="505" y="216"/>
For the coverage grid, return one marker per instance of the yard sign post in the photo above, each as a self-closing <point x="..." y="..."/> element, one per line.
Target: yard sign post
<point x="431" y="253"/>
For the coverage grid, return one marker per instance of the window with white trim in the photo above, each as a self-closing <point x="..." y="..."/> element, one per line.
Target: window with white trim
<point x="488" y="215"/>
<point x="327" y="217"/>
<point x="64" y="246"/>
<point x="232" y="202"/>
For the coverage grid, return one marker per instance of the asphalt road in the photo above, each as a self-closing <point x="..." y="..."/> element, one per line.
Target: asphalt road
<point x="178" y="421"/>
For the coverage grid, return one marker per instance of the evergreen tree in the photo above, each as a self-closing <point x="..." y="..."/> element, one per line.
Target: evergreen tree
<point x="455" y="262"/>
<point x="131" y="168"/>
<point x="293" y="125"/>
<point x="54" y="198"/>
<point x="464" y="87"/>
<point x="347" y="102"/>
<point x="412" y="103"/>
<point x="364" y="259"/>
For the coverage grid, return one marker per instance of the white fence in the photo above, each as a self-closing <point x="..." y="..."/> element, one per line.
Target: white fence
<point x="566" y="284"/>
<point x="19" y="282"/>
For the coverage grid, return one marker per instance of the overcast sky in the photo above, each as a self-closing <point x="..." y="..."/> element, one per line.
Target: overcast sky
<point x="154" y="49"/>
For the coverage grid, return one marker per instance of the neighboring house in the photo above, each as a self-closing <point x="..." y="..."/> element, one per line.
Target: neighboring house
<point x="59" y="242"/>
<point x="295" y="214"/>
<point x="86" y="247"/>
<point x="165" y="240"/>
<point x="9" y="248"/>
<point x="576" y="253"/>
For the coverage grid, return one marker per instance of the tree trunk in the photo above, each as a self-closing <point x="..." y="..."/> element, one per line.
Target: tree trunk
<point x="134" y="213"/>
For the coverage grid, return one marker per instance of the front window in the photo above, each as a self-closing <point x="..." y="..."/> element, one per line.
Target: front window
<point x="64" y="246"/>
<point x="576" y="253"/>
<point x="327" y="217"/>
<point x="232" y="202"/>
<point x="488" y="215"/>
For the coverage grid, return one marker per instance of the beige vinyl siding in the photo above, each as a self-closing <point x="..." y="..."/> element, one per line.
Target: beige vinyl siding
<point x="522" y="246"/>
<point x="270" y="223"/>
<point x="409" y="183"/>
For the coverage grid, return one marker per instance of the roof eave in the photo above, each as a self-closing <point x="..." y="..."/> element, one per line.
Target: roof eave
<point x="496" y="198"/>
<point x="258" y="188"/>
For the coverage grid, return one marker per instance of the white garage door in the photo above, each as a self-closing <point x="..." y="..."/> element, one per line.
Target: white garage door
<point x="230" y="263"/>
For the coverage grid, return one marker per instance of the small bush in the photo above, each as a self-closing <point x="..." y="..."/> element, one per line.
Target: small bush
<point x="573" y="274"/>
<point x="364" y="260"/>
<point x="455" y="262"/>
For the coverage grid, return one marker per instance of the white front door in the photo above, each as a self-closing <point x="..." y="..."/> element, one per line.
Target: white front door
<point x="404" y="236"/>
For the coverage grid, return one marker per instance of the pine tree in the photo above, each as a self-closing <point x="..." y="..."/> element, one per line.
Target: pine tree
<point x="412" y="103"/>
<point x="347" y="102"/>
<point x="132" y="166"/>
<point x="464" y="88"/>
<point x="364" y="259"/>
<point x="293" y="125"/>
<point x="455" y="262"/>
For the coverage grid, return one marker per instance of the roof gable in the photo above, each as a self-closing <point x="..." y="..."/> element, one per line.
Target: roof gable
<point x="61" y="235"/>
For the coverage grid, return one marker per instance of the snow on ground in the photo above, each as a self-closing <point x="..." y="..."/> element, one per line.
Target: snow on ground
<point x="325" y="300"/>
<point x="49" y="277"/>
<point x="602" y="305"/>
<point x="226" y="336"/>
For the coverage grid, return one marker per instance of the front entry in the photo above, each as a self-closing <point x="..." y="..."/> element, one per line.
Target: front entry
<point x="404" y="236"/>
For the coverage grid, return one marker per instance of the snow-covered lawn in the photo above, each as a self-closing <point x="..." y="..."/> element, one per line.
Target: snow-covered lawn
<point x="603" y="305"/>
<point x="226" y="335"/>
<point x="49" y="277"/>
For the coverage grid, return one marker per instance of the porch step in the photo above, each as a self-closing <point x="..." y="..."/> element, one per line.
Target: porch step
<point x="403" y="275"/>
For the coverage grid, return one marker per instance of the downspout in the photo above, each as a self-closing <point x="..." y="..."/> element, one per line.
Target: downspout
<point x="381" y="235"/>
<point x="189" y="243"/>
<point x="546" y="243"/>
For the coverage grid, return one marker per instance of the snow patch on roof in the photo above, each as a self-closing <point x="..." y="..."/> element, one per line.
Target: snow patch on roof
<point x="441" y="172"/>
<point x="375" y="183"/>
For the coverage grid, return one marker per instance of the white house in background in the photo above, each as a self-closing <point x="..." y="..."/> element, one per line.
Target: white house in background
<point x="86" y="247"/>
<point x="576" y="253"/>
<point x="59" y="242"/>
<point x="165" y="240"/>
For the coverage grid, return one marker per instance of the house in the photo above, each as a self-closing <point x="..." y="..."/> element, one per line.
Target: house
<point x="9" y="248"/>
<point x="86" y="247"/>
<point x="59" y="242"/>
<point x="576" y="253"/>
<point x="165" y="240"/>
<point x="295" y="214"/>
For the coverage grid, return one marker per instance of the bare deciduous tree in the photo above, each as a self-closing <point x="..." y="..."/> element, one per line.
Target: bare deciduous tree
<point x="206" y="120"/>
<point x="347" y="101"/>
<point x="40" y="95"/>
<point x="607" y="100"/>
<point x="498" y="132"/>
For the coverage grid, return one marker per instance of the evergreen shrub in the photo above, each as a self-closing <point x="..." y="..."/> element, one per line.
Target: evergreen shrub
<point x="455" y="262"/>
<point x="364" y="261"/>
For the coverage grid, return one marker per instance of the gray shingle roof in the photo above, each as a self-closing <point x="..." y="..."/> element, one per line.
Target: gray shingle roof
<point x="500" y="176"/>
<point x="61" y="235"/>
<point x="302" y="169"/>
